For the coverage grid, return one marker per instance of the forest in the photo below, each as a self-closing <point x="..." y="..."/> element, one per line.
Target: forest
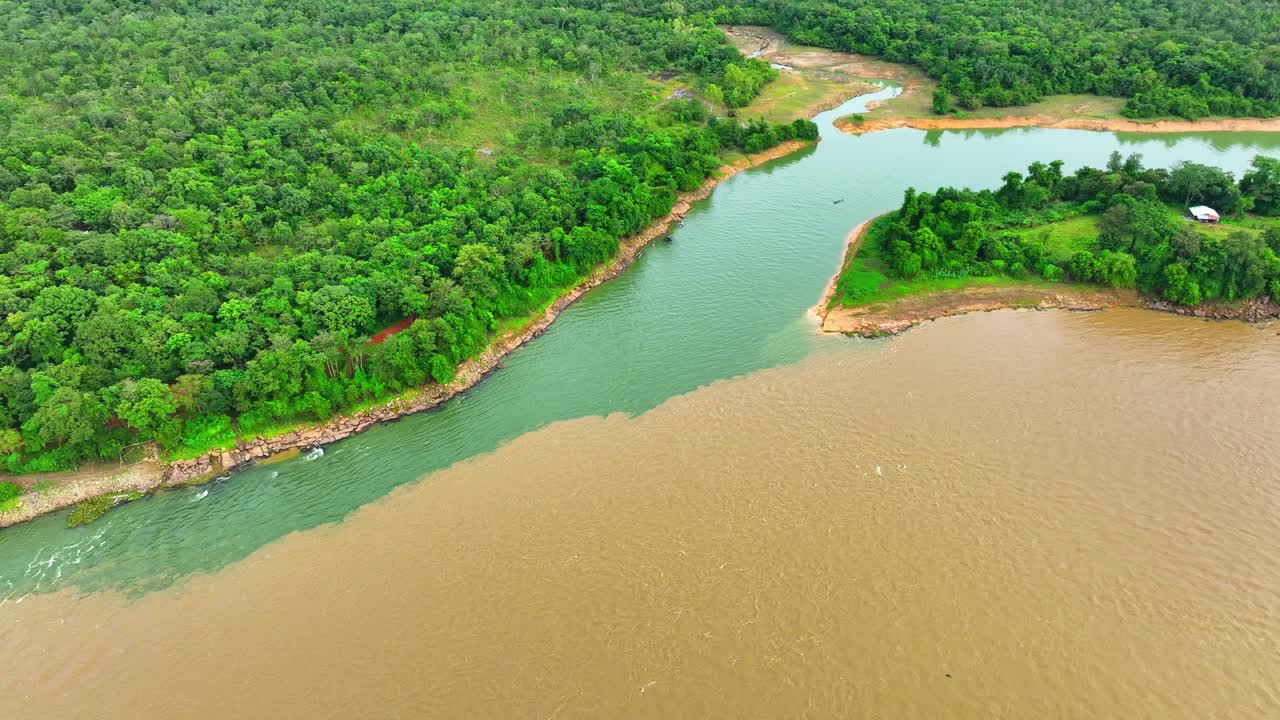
<point x="208" y="209"/>
<point x="1187" y="58"/>
<point x="1142" y="239"/>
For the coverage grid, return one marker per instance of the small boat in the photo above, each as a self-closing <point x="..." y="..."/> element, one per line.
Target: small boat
<point x="837" y="202"/>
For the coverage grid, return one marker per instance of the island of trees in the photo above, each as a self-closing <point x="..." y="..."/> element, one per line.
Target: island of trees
<point x="1125" y="226"/>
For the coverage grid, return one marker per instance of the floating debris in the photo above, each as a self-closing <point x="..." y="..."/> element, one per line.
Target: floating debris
<point x="314" y="454"/>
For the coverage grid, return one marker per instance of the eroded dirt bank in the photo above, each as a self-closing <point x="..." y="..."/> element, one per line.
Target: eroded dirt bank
<point x="894" y="317"/>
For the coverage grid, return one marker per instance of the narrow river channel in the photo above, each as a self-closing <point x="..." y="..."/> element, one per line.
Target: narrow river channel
<point x="682" y="501"/>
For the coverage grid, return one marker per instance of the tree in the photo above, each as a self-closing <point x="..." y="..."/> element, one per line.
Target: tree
<point x="478" y="270"/>
<point x="147" y="406"/>
<point x="1192" y="183"/>
<point x="342" y="312"/>
<point x="1263" y="183"/>
<point x="1246" y="264"/>
<point x="68" y="417"/>
<point x="1083" y="266"/>
<point x="941" y="101"/>
<point x="1179" y="286"/>
<point x="1117" y="269"/>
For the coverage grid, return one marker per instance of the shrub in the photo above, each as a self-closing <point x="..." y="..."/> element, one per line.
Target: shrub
<point x="9" y="494"/>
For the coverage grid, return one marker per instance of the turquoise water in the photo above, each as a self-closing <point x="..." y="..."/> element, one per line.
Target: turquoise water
<point x="731" y="295"/>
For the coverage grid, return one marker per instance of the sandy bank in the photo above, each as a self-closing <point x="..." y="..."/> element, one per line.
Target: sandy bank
<point x="1045" y="121"/>
<point x="852" y="244"/>
<point x="905" y="313"/>
<point x="70" y="488"/>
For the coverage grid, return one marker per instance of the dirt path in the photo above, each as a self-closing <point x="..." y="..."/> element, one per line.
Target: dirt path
<point x="67" y="489"/>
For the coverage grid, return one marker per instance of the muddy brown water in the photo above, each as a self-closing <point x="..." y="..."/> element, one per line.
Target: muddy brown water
<point x="684" y="502"/>
<point x="1004" y="515"/>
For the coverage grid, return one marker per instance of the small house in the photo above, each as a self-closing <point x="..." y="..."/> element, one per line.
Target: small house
<point x="1204" y="214"/>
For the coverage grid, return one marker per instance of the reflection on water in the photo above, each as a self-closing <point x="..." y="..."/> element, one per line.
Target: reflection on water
<point x="1012" y="514"/>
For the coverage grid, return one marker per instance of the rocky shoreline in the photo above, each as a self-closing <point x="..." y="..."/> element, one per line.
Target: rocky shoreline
<point x="1259" y="309"/>
<point x="151" y="476"/>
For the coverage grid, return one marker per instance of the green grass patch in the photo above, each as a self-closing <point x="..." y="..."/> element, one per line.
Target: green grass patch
<point x="795" y="94"/>
<point x="503" y="105"/>
<point x="1064" y="238"/>
<point x="895" y="290"/>
<point x="10" y="497"/>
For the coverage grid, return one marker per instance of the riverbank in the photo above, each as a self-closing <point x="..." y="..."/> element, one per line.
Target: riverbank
<point x="852" y="244"/>
<point x="868" y="125"/>
<point x="64" y="490"/>
<point x="895" y="317"/>
<point x="877" y="319"/>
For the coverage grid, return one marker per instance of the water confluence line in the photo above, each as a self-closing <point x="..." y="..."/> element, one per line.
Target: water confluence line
<point x="152" y="476"/>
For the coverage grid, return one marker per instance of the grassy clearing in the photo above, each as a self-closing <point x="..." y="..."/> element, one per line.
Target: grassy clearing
<point x="502" y="104"/>
<point x="1057" y="106"/>
<point x="797" y="94"/>
<point x="819" y="79"/>
<point x="1065" y="237"/>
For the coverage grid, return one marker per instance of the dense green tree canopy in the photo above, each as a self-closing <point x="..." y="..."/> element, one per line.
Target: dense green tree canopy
<point x="208" y="209"/>
<point x="1142" y="242"/>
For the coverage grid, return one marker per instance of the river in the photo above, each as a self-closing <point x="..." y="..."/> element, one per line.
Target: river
<point x="682" y="501"/>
